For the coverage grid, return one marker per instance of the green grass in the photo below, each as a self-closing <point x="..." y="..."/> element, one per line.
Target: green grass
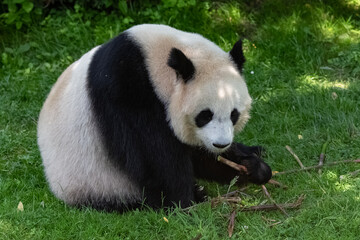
<point x="305" y="59"/>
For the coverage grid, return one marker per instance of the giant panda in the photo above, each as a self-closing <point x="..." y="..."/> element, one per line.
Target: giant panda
<point x="135" y="121"/>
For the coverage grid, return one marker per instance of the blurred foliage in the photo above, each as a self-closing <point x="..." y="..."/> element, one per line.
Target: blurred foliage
<point x="21" y="13"/>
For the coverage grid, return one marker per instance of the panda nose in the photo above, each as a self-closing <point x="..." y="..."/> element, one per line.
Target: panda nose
<point x="220" y="145"/>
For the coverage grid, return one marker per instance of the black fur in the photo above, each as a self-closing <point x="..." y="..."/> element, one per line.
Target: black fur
<point x="133" y="124"/>
<point x="237" y="55"/>
<point x="181" y="64"/>
<point x="234" y="116"/>
<point x="139" y="141"/>
<point x="203" y="118"/>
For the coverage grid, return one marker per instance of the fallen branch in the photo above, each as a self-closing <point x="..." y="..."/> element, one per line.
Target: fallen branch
<point x="295" y="156"/>
<point x="271" y="207"/>
<point x="215" y="201"/>
<point x="231" y="223"/>
<point x="240" y="168"/>
<point x="316" y="167"/>
<point x="273" y="201"/>
<point x="322" y="155"/>
<point x="230" y="197"/>
<point x="352" y="174"/>
<point x="274" y="224"/>
<point x="276" y="183"/>
<point x="234" y="193"/>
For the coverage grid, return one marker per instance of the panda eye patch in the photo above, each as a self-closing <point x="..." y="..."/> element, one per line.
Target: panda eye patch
<point x="203" y="118"/>
<point x="234" y="116"/>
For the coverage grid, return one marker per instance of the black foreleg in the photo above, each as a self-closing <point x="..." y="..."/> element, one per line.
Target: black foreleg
<point x="206" y="165"/>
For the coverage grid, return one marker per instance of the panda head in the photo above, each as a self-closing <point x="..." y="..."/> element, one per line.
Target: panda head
<point x="210" y="102"/>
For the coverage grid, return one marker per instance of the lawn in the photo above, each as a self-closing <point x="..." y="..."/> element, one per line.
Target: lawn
<point x="302" y="70"/>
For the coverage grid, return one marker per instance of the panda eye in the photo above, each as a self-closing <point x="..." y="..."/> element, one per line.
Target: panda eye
<point x="234" y="116"/>
<point x="203" y="118"/>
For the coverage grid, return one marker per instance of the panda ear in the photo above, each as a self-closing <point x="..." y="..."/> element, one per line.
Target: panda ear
<point x="181" y="64"/>
<point x="237" y="55"/>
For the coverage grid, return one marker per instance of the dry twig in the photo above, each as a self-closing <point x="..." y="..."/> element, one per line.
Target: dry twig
<point x="215" y="201"/>
<point x="295" y="156"/>
<point x="273" y="201"/>
<point x="270" y="207"/>
<point x="271" y="222"/>
<point x="276" y="183"/>
<point x="231" y="223"/>
<point x="352" y="174"/>
<point x="234" y="193"/>
<point x="230" y="197"/>
<point x="317" y="166"/>
<point x="274" y="224"/>
<point x="322" y="155"/>
<point x="240" y="168"/>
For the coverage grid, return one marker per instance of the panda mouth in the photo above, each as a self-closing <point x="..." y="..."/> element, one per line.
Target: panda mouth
<point x="217" y="148"/>
<point x="220" y="145"/>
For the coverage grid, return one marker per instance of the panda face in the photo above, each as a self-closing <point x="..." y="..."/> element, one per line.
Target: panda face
<point x="223" y="105"/>
<point x="209" y="109"/>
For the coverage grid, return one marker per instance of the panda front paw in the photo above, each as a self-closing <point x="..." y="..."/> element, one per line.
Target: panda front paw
<point x="258" y="171"/>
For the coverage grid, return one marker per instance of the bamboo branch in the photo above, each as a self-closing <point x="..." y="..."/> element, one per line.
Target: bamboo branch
<point x="270" y="207"/>
<point x="295" y="156"/>
<point x="317" y="166"/>
<point x="240" y="168"/>
<point x="273" y="201"/>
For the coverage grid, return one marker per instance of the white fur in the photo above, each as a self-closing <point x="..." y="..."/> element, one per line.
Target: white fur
<point x="74" y="159"/>
<point x="218" y="131"/>
<point x="217" y="84"/>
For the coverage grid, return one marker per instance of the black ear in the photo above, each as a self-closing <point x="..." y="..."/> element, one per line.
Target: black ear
<point x="181" y="64"/>
<point x="237" y="55"/>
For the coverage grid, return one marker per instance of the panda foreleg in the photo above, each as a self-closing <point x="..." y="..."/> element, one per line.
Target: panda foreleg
<point x="169" y="178"/>
<point x="206" y="165"/>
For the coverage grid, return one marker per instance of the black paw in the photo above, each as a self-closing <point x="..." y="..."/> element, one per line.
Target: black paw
<point x="250" y="157"/>
<point x="199" y="194"/>
<point x="258" y="171"/>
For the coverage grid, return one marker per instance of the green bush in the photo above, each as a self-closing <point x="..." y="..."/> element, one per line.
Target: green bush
<point x="19" y="12"/>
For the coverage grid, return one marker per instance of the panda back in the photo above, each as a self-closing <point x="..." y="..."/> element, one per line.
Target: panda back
<point x="74" y="157"/>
